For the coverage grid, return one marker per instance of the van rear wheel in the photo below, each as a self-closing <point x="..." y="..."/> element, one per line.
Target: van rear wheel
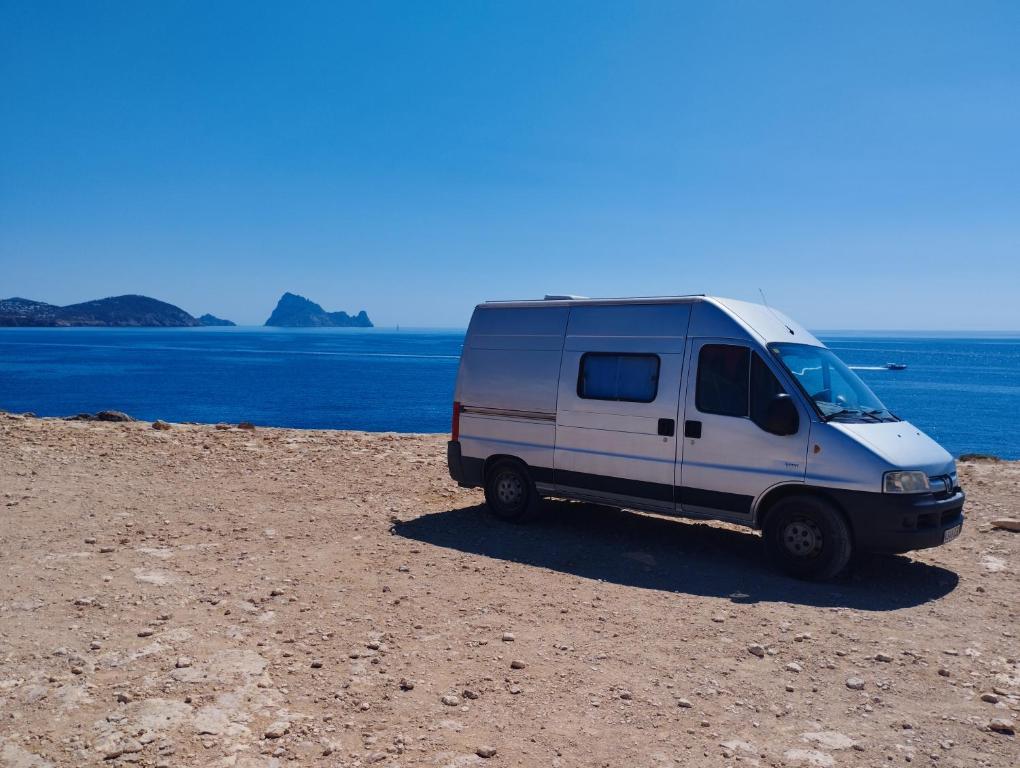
<point x="808" y="538"/>
<point x="510" y="493"/>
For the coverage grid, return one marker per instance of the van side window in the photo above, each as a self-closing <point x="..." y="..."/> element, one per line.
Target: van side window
<point x="734" y="381"/>
<point x="627" y="377"/>
<point x="722" y="385"/>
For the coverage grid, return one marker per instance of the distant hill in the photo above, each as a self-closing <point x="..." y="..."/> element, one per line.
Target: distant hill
<point x="294" y="311"/>
<point x="208" y="319"/>
<point x="117" y="311"/>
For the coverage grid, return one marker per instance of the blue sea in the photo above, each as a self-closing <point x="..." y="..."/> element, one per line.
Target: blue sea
<point x="964" y="392"/>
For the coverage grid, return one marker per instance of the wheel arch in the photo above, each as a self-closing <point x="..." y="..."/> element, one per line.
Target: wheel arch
<point x="495" y="458"/>
<point x="778" y="493"/>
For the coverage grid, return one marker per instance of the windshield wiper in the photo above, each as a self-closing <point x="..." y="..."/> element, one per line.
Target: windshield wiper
<point x="873" y="414"/>
<point x="834" y="414"/>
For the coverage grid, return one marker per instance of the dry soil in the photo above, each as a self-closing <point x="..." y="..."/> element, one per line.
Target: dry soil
<point x="195" y="596"/>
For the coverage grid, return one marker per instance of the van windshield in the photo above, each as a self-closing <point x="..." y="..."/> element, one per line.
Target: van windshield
<point x="838" y="392"/>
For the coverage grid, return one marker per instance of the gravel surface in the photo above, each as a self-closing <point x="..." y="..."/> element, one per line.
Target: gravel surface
<point x="203" y="596"/>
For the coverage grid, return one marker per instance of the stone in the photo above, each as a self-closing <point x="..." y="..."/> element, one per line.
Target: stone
<point x="112" y="416"/>
<point x="829" y="739"/>
<point x="246" y="425"/>
<point x="123" y="698"/>
<point x="684" y="703"/>
<point x="1007" y="524"/>
<point x="508" y="637"/>
<point x="794" y="667"/>
<point x="161" y="425"/>
<point x="516" y="664"/>
<point x="626" y="695"/>
<point x="406" y="685"/>
<point x="990" y="698"/>
<point x="470" y="694"/>
<point x="210" y="721"/>
<point x="316" y="664"/>
<point x="883" y="657"/>
<point x="147" y="632"/>
<point x="450" y="700"/>
<point x="183" y="662"/>
<point x="277" y="730"/>
<point x="756" y="649"/>
<point x="486" y="752"/>
<point x="114" y="744"/>
<point x="810" y="757"/>
<point x="855" y="683"/>
<point x="1001" y="725"/>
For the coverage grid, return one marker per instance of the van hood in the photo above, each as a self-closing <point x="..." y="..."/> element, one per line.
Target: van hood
<point x="901" y="445"/>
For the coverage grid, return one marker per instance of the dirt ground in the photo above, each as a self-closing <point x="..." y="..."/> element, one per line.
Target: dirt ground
<point x="222" y="597"/>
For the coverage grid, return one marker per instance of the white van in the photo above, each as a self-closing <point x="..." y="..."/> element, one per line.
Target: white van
<point x="697" y="407"/>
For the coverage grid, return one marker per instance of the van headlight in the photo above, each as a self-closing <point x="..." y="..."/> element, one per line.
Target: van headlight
<point x="905" y="482"/>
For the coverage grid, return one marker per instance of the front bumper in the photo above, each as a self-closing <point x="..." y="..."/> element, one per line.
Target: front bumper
<point x="892" y="523"/>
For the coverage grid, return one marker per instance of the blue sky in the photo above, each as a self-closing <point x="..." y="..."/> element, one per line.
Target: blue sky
<point x="859" y="162"/>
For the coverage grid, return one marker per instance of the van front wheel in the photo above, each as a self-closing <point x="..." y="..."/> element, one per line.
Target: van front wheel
<point x="807" y="538"/>
<point x="509" y="492"/>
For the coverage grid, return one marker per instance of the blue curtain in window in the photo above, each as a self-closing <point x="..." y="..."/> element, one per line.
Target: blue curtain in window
<point x="620" y="377"/>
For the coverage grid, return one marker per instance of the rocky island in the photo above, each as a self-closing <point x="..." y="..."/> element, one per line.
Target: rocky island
<point x="116" y="311"/>
<point x="293" y="311"/>
<point x="212" y="320"/>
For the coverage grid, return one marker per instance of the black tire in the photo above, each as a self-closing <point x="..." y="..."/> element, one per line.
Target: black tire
<point x="510" y="493"/>
<point x="807" y="537"/>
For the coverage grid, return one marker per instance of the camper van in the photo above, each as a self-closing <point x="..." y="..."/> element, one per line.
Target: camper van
<point x="697" y="407"/>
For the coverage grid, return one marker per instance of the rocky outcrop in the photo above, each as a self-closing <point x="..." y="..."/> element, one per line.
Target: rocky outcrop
<point x="212" y="320"/>
<point x="115" y="311"/>
<point x="293" y="311"/>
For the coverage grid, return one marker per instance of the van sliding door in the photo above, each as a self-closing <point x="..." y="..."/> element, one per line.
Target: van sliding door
<point x="617" y="409"/>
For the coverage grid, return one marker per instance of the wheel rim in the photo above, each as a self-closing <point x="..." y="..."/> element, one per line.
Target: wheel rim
<point x="802" y="538"/>
<point x="509" y="489"/>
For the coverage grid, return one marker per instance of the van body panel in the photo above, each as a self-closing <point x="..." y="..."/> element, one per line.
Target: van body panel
<point x="902" y="446"/>
<point x="507" y="384"/>
<point x="615" y="447"/>
<point x="855" y="456"/>
<point x="766" y="324"/>
<point x="734" y="461"/>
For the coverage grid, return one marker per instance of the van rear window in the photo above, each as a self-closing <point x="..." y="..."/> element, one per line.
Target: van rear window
<point x="622" y="377"/>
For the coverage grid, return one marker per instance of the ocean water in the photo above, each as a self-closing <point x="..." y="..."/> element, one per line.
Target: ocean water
<point x="964" y="392"/>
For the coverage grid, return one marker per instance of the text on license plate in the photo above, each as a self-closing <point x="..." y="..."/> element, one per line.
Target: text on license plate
<point x="952" y="533"/>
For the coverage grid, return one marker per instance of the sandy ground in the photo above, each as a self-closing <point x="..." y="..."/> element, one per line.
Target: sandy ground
<point x="205" y="597"/>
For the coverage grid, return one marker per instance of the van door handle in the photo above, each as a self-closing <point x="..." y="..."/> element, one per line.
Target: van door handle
<point x="667" y="427"/>
<point x="692" y="429"/>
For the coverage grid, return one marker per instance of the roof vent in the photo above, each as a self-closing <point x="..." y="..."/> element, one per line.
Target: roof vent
<point x="563" y="297"/>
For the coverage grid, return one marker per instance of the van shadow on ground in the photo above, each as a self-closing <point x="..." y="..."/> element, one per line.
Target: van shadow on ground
<point x="648" y="552"/>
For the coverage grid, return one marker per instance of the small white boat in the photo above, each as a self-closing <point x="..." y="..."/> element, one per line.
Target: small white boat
<point x="896" y="366"/>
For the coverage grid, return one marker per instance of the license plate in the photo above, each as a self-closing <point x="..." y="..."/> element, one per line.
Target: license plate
<point x="952" y="533"/>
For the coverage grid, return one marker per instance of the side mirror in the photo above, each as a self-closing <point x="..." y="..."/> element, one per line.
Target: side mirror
<point x="781" y="417"/>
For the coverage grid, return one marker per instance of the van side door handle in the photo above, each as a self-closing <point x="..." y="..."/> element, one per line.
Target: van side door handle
<point x="667" y="427"/>
<point x="692" y="429"/>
